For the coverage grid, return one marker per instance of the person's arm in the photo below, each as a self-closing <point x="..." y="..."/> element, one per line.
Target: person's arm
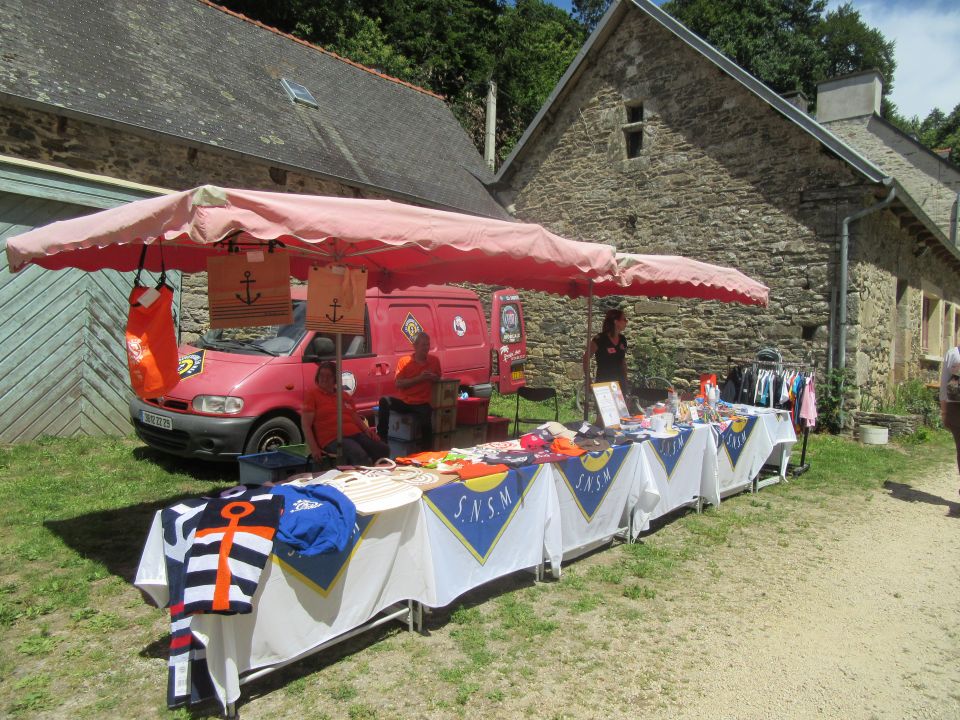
<point x="306" y="424"/>
<point x="626" y="378"/>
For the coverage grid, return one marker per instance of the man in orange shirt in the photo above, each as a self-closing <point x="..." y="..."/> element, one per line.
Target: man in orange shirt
<point x="416" y="374"/>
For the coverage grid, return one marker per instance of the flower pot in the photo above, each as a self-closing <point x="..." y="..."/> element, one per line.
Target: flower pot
<point x="874" y="435"/>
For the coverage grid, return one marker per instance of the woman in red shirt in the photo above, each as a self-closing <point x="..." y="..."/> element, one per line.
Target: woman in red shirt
<point x="361" y="446"/>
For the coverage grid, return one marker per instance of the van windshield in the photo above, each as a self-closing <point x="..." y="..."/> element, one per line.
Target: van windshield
<point x="260" y="340"/>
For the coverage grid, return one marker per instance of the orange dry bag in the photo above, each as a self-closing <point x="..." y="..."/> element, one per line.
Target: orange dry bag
<point x="151" y="339"/>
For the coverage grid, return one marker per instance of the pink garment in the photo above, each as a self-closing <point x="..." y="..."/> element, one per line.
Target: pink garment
<point x="808" y="408"/>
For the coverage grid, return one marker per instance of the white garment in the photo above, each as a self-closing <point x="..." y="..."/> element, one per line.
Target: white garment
<point x="950" y="366"/>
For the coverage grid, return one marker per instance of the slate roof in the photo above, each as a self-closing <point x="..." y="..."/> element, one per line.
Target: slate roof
<point x="932" y="180"/>
<point x="190" y="71"/>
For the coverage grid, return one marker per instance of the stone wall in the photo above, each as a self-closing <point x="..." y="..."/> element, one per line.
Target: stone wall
<point x="884" y="334"/>
<point x="898" y="424"/>
<point x="721" y="177"/>
<point x="151" y="160"/>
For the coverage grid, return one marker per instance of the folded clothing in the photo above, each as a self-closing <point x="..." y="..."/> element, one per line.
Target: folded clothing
<point x="316" y="518"/>
<point x="471" y="470"/>
<point x="563" y="446"/>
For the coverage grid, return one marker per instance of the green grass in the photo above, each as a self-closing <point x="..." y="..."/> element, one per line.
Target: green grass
<point x="76" y="513"/>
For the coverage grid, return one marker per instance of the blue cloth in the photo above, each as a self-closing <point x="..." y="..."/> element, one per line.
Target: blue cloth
<point x="316" y="518"/>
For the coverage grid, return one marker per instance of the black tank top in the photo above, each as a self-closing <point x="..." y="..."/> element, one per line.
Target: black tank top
<point x="610" y="358"/>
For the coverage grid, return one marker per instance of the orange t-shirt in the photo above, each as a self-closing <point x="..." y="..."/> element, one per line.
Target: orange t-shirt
<point x="324" y="408"/>
<point x="422" y="392"/>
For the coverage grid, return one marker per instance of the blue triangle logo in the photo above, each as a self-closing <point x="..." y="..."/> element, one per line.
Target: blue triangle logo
<point x="734" y="438"/>
<point x="669" y="450"/>
<point x="589" y="477"/>
<point x="478" y="511"/>
<point x="321" y="572"/>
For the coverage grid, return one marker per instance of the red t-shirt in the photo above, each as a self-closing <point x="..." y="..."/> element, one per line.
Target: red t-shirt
<point x="422" y="392"/>
<point x="324" y="408"/>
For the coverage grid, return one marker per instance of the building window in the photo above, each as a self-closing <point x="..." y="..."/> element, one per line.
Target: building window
<point x="931" y="326"/>
<point x="633" y="129"/>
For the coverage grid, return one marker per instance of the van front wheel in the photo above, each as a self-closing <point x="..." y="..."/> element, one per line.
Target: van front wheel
<point x="272" y="434"/>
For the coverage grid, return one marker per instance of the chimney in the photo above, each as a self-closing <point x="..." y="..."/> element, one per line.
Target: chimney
<point x="798" y="99"/>
<point x="849" y="96"/>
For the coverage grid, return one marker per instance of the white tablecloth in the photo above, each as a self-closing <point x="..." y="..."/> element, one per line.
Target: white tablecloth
<point x="746" y="445"/>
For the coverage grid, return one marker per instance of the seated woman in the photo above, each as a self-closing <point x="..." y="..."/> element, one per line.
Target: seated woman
<point x="361" y="445"/>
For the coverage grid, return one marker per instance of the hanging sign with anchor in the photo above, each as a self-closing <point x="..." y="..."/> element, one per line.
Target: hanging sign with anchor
<point x="247" y="289"/>
<point x="335" y="299"/>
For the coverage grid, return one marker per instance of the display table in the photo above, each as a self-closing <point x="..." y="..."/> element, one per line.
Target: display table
<point x="684" y="470"/>
<point x="597" y="494"/>
<point x="455" y="538"/>
<point x="749" y="443"/>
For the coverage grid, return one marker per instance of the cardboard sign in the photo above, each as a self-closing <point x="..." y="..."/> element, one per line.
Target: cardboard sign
<point x="249" y="289"/>
<point x="610" y="403"/>
<point x="335" y="299"/>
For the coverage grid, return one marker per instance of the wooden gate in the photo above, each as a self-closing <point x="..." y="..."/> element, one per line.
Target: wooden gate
<point x="62" y="356"/>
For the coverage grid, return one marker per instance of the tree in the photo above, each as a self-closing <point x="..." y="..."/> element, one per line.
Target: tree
<point x="774" y="40"/>
<point x="589" y="12"/>
<point x="537" y="42"/>
<point x="851" y="46"/>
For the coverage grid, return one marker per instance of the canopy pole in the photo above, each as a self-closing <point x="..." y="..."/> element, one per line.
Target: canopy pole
<point x="586" y="349"/>
<point x="338" y="341"/>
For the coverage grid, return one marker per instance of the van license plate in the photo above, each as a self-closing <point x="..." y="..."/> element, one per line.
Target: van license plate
<point x="159" y="421"/>
<point x="517" y="375"/>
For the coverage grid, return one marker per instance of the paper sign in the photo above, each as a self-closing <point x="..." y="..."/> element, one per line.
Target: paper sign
<point x="245" y="292"/>
<point x="610" y="403"/>
<point x="335" y="299"/>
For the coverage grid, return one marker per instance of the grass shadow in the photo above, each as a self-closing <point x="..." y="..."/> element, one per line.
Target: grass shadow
<point x="198" y="469"/>
<point x="114" y="537"/>
<point x="907" y="493"/>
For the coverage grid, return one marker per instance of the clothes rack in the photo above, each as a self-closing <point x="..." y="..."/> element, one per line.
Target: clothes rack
<point x="807" y="368"/>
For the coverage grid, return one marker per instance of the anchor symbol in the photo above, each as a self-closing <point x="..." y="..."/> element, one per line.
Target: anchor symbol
<point x="248" y="282"/>
<point x="335" y="304"/>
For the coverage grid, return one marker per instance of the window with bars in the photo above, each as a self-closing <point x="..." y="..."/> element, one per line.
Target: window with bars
<point x="633" y="129"/>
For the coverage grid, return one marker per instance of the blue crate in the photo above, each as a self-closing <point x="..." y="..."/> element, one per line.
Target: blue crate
<point x="270" y="467"/>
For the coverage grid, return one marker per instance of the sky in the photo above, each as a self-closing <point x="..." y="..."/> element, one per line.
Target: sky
<point x="927" y="51"/>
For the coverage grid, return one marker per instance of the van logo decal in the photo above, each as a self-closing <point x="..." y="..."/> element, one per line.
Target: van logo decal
<point x="191" y="365"/>
<point x="411" y="328"/>
<point x="459" y="326"/>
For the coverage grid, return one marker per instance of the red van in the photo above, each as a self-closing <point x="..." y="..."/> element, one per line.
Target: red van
<point x="241" y="390"/>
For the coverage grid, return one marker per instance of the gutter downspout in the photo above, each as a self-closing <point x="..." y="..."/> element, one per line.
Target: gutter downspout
<point x="842" y="285"/>
<point x="955" y="225"/>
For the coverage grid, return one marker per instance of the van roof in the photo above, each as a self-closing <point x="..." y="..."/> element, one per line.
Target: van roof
<point x="299" y="292"/>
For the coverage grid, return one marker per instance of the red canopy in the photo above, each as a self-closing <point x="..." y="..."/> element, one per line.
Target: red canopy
<point x="676" y="276"/>
<point x="400" y="245"/>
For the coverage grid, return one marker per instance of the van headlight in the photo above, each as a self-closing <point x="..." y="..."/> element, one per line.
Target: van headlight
<point x="219" y="404"/>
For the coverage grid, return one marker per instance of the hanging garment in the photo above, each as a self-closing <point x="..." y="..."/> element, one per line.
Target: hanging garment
<point x="151" y="341"/>
<point x="731" y="386"/>
<point x="808" y="410"/>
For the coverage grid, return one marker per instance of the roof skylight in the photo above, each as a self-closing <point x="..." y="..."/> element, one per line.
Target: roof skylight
<point x="298" y="93"/>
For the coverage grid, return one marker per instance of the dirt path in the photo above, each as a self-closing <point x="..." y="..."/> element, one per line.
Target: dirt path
<point x="858" y="621"/>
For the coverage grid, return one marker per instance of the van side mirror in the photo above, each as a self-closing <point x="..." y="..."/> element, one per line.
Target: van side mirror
<point x="320" y="347"/>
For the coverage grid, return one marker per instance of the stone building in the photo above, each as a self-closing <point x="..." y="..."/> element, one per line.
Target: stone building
<point x="656" y="142"/>
<point x="107" y="101"/>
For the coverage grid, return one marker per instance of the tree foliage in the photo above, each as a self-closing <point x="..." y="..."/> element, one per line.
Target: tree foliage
<point x="455" y="47"/>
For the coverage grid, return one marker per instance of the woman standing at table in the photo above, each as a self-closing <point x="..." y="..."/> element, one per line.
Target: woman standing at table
<point x="361" y="445"/>
<point x="609" y="349"/>
<point x="950" y="396"/>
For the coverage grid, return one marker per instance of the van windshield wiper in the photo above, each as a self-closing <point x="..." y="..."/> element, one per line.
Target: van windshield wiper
<point x="224" y="344"/>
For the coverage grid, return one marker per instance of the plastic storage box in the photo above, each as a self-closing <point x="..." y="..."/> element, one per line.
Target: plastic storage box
<point x="403" y="426"/>
<point x="472" y="411"/>
<point x="497" y="428"/>
<point x="270" y="467"/>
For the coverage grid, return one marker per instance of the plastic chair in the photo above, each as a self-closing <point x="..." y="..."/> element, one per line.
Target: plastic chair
<point x="538" y="395"/>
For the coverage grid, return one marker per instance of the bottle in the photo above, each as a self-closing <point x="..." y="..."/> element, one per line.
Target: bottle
<point x="712" y="395"/>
